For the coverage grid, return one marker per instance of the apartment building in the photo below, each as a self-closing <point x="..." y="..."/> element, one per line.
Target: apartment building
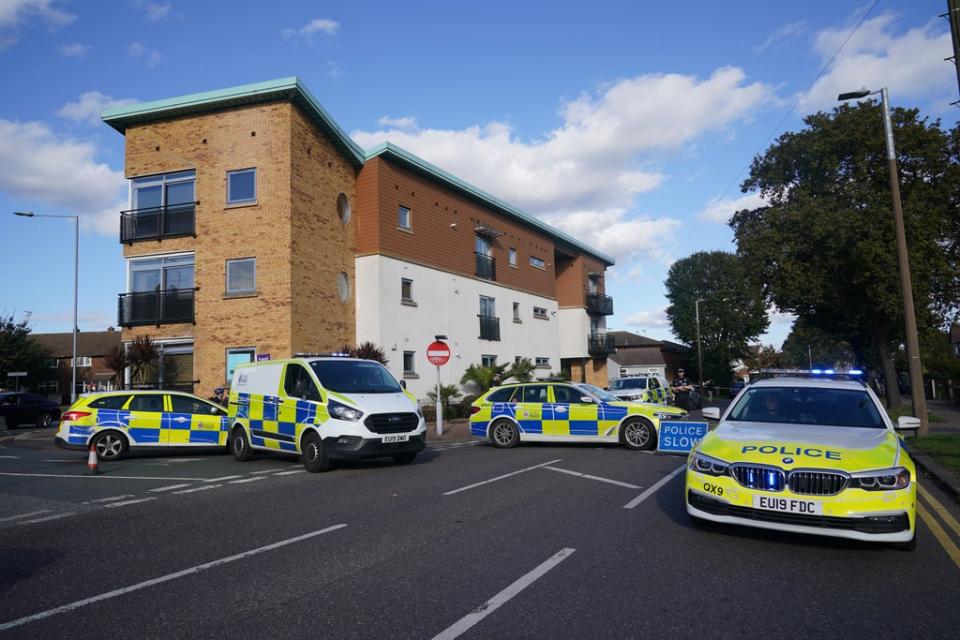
<point x="257" y="229"/>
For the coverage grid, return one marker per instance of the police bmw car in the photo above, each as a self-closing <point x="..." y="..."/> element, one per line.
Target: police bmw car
<point x="809" y="455"/>
<point x="565" y="412"/>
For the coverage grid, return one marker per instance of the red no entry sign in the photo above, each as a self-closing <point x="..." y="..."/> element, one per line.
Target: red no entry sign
<point x="438" y="353"/>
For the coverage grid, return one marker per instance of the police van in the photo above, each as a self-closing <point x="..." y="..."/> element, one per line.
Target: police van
<point x="323" y="409"/>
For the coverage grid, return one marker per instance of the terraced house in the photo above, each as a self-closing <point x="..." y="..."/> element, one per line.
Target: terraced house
<point x="257" y="229"/>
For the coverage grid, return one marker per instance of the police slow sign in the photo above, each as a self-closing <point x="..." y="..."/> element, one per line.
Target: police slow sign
<point x="680" y="436"/>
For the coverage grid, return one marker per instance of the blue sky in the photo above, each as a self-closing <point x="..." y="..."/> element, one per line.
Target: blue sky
<point x="627" y="124"/>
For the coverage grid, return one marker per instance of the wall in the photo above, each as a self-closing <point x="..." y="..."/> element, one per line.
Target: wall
<point x="574" y="330"/>
<point x="572" y="276"/>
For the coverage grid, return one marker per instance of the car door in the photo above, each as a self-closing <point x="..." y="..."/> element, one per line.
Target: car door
<point x="298" y="408"/>
<point x="579" y="418"/>
<point x="533" y="407"/>
<point x="193" y="422"/>
<point x="12" y="409"/>
<point x="655" y="391"/>
<point x="145" y="422"/>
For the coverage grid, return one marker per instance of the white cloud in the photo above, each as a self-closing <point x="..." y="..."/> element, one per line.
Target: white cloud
<point x="316" y="26"/>
<point x="150" y="57"/>
<point x="406" y="122"/>
<point x="15" y="12"/>
<point x="89" y="106"/>
<point x="334" y="70"/>
<point x="721" y="210"/>
<point x="781" y="33"/>
<point x="613" y="233"/>
<point x="154" y="11"/>
<point x="779" y="318"/>
<point x="911" y="64"/>
<point x="651" y="319"/>
<point x="38" y="166"/>
<point x="75" y="50"/>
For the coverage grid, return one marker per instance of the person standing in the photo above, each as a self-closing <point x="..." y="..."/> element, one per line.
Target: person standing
<point x="681" y="388"/>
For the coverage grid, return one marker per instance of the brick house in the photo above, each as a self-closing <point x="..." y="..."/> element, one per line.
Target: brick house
<point x="92" y="373"/>
<point x="258" y="229"/>
<point x="636" y="354"/>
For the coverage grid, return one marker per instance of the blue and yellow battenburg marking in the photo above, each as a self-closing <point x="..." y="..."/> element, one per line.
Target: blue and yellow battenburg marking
<point x="550" y="418"/>
<point x="275" y="422"/>
<point x="155" y="427"/>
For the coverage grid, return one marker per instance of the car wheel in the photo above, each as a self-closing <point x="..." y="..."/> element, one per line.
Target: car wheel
<point x="637" y="434"/>
<point x="110" y="445"/>
<point x="314" y="455"/>
<point x="504" y="434"/>
<point x="405" y="458"/>
<point x="45" y="420"/>
<point x="240" y="445"/>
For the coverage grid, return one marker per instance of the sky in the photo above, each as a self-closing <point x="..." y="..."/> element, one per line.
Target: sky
<point x="627" y="124"/>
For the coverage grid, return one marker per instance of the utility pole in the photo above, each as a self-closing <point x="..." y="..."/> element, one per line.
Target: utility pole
<point x="810" y="356"/>
<point x="696" y="306"/>
<point x="953" y="15"/>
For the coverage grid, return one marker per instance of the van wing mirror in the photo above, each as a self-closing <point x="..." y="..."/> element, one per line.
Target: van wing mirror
<point x="711" y="413"/>
<point x="403" y="384"/>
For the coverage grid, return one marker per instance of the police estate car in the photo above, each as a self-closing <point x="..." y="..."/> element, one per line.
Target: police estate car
<point x="565" y="412"/>
<point x="811" y="455"/>
<point x="642" y="388"/>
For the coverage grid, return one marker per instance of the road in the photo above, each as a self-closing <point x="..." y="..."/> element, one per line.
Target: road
<point x="469" y="541"/>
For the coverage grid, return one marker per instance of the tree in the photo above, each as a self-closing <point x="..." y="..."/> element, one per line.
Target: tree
<point x="521" y="371"/>
<point x="142" y="356"/>
<point x="366" y="351"/>
<point x="761" y="356"/>
<point x="732" y="310"/>
<point x="117" y="361"/>
<point x="808" y="345"/>
<point x="481" y="378"/>
<point x="18" y="352"/>
<point x="447" y="393"/>
<point x="823" y="247"/>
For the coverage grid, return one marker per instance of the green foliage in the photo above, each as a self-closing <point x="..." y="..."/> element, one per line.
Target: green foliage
<point x="117" y="361"/>
<point x="945" y="447"/>
<point x="142" y="356"/>
<point x="807" y="342"/>
<point x="732" y="309"/>
<point x="448" y="392"/>
<point x="521" y="371"/>
<point x="366" y="351"/>
<point x="763" y="357"/>
<point x="483" y="377"/>
<point x="19" y="353"/>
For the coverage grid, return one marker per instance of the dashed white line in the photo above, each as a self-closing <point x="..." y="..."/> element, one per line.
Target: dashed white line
<point x="201" y="488"/>
<point x="101" y="477"/>
<point x="649" y="492"/>
<point x="222" y="479"/>
<point x="44" y="519"/>
<point x="170" y="576"/>
<point x="597" y="478"/>
<point x="287" y="473"/>
<point x="263" y="471"/>
<point x="169" y="488"/>
<point x="113" y="498"/>
<point x="506" y="475"/>
<point x="24" y="515"/>
<point x="126" y="502"/>
<point x="465" y="623"/>
<point x="246" y="480"/>
<point x="10" y="457"/>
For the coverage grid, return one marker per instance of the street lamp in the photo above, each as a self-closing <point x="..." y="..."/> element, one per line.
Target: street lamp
<point x="903" y="258"/>
<point x="76" y="271"/>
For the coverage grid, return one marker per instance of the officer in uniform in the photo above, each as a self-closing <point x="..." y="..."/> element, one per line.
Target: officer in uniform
<point x="681" y="390"/>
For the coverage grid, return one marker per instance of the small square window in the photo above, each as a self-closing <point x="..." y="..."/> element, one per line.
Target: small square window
<point x="513" y="257"/>
<point x="403" y="218"/>
<point x="543" y="363"/>
<point x="537" y="262"/>
<point x="516" y="312"/>
<point x="242" y="275"/>
<point x="242" y="186"/>
<point x="409" y="363"/>
<point x="237" y="356"/>
<point x="406" y="290"/>
<point x="540" y="312"/>
<point x="488" y="360"/>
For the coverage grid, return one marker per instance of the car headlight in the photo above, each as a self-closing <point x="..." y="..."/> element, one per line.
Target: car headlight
<point x="343" y="412"/>
<point x="708" y="465"/>
<point x="882" y="480"/>
<point x="666" y="415"/>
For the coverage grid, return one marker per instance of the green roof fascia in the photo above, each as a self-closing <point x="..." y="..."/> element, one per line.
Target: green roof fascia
<point x="395" y="152"/>
<point x="282" y="89"/>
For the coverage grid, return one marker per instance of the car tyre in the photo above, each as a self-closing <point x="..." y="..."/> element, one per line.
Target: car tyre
<point x="504" y="434"/>
<point x="638" y="434"/>
<point x="314" y="454"/>
<point x="405" y="458"/>
<point x="45" y="420"/>
<point x="110" y="445"/>
<point x="240" y="445"/>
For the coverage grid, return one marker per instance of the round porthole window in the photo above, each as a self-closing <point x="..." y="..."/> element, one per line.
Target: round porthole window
<point x="343" y="208"/>
<point x="343" y="287"/>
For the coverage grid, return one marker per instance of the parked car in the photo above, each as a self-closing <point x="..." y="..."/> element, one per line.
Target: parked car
<point x="21" y="408"/>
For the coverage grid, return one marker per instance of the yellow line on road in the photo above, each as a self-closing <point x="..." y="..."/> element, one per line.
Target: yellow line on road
<point x="939" y="508"/>
<point x="940" y="534"/>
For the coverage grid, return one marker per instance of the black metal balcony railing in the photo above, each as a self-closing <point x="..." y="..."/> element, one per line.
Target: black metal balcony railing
<point x="599" y="304"/>
<point x="155" y="307"/>
<point x="156" y="223"/>
<point x="600" y="345"/>
<point x="489" y="327"/>
<point x="486" y="267"/>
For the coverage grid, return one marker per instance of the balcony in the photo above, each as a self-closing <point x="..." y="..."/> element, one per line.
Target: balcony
<point x="155" y="307"/>
<point x="600" y="345"/>
<point x="157" y="223"/>
<point x="489" y="327"/>
<point x="599" y="304"/>
<point x="486" y="267"/>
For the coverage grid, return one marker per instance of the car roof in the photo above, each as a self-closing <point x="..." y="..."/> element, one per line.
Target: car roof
<point x="814" y="383"/>
<point x="137" y="392"/>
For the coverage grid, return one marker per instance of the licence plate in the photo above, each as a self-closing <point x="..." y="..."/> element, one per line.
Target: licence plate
<point x="789" y="505"/>
<point x="395" y="438"/>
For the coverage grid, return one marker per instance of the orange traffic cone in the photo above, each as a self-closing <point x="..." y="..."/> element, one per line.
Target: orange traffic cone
<point x="93" y="467"/>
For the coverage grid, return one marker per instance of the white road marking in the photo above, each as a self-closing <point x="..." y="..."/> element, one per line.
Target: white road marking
<point x="167" y="578"/>
<point x="113" y="499"/>
<point x="246" y="480"/>
<point x="126" y="502"/>
<point x="169" y="488"/>
<point x="176" y="460"/>
<point x="598" y="478"/>
<point x="649" y="492"/>
<point x="44" y="519"/>
<point x="222" y="479"/>
<point x="263" y="471"/>
<point x="10" y="457"/>
<point x="465" y="623"/>
<point x="287" y="473"/>
<point x="201" y="488"/>
<point x="24" y="515"/>
<point x="506" y="475"/>
<point x="108" y="477"/>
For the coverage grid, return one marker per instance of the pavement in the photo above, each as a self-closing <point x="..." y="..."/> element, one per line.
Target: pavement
<point x="540" y="541"/>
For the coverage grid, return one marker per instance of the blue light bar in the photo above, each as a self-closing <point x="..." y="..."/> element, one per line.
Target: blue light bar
<point x="816" y="371"/>
<point x="828" y="371"/>
<point x="855" y="372"/>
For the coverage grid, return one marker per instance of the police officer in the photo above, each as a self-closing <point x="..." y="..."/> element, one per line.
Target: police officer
<point x="681" y="390"/>
<point x="219" y="396"/>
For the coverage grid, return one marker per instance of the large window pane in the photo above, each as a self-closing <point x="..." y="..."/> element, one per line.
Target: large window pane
<point x="241" y="186"/>
<point x="179" y="193"/>
<point x="241" y="275"/>
<point x="144" y="197"/>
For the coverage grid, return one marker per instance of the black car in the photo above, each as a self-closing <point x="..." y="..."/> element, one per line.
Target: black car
<point x="20" y="408"/>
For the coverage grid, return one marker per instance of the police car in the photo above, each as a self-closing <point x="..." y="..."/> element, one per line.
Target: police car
<point x="323" y="409"/>
<point x="642" y="388"/>
<point x="565" y="412"/>
<point x="807" y="453"/>
<point x="117" y="421"/>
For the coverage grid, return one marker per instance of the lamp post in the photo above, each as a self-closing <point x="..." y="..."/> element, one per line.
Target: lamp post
<point x="903" y="258"/>
<point x="76" y="271"/>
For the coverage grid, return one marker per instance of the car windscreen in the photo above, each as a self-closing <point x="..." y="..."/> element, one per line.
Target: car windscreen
<point x="630" y="383"/>
<point x="597" y="392"/>
<point x="808" y="405"/>
<point x="354" y="376"/>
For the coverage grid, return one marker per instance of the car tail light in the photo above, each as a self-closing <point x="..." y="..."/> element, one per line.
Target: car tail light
<point x="474" y="409"/>
<point x="73" y="416"/>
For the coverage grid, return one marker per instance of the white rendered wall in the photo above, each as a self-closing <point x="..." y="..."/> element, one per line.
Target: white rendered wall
<point x="574" y="330"/>
<point x="448" y="304"/>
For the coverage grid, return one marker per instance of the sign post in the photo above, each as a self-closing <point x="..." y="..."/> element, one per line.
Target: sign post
<point x="438" y="353"/>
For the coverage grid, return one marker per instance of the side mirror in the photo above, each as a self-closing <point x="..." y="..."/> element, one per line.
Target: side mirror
<point x="908" y="423"/>
<point x="403" y="384"/>
<point x="711" y="413"/>
<point x="586" y="400"/>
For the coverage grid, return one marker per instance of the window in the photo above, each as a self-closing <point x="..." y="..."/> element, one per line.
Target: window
<point x="482" y="246"/>
<point x="109" y="402"/>
<point x="563" y="394"/>
<point x="543" y="362"/>
<point x="185" y="404"/>
<point x="343" y="208"/>
<point x="352" y="376"/>
<point x="541" y="313"/>
<point x="52" y="363"/>
<point x="343" y="287"/>
<point x="488" y="360"/>
<point x="653" y="383"/>
<point x="51" y="386"/>
<point x="237" y="356"/>
<point x="298" y="383"/>
<point x="406" y="290"/>
<point x="502" y="395"/>
<point x="165" y="190"/>
<point x="403" y="218"/>
<point x="409" y="363"/>
<point x="537" y="262"/>
<point x="535" y="393"/>
<point x="147" y="402"/>
<point x="242" y="186"/>
<point x="242" y="275"/>
<point x="164" y="274"/>
<point x="593" y="284"/>
<point x="488" y="307"/>
<point x="516" y="312"/>
<point x="513" y="257"/>
<point x="82" y="361"/>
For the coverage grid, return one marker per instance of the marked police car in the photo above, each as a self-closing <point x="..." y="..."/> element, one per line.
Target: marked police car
<point x="117" y="421"/>
<point x="807" y="454"/>
<point x="565" y="412"/>
<point x="642" y="388"/>
<point x="323" y="409"/>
